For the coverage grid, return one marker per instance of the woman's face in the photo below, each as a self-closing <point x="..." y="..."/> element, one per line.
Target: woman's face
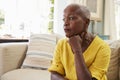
<point x="74" y="24"/>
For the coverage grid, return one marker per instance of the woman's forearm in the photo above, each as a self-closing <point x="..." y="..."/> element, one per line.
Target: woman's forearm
<point x="57" y="76"/>
<point x="78" y="48"/>
<point x="81" y="69"/>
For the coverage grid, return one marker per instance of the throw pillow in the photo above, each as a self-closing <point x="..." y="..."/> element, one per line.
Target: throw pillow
<point x="40" y="51"/>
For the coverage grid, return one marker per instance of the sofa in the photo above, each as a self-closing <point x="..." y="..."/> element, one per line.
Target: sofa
<point x="13" y="57"/>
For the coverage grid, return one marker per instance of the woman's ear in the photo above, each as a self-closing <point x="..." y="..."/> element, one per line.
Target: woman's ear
<point x="87" y="24"/>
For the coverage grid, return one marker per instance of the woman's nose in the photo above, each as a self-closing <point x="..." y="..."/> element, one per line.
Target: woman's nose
<point x="66" y="22"/>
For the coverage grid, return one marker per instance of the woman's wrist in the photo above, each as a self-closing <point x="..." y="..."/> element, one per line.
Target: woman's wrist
<point x="77" y="51"/>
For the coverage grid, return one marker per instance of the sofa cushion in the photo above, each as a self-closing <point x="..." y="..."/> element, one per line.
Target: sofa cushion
<point x="113" y="70"/>
<point x="40" y="51"/>
<point x="20" y="74"/>
<point x="11" y="56"/>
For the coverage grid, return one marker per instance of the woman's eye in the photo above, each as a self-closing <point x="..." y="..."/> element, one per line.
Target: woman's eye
<point x="71" y="18"/>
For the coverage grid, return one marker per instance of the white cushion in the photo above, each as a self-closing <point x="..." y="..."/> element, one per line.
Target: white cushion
<point x="26" y="74"/>
<point x="40" y="51"/>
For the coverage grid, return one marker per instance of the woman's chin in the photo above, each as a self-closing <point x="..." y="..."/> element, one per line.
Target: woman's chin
<point x="68" y="36"/>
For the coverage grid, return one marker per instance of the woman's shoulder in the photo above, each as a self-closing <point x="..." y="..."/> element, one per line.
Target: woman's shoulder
<point x="100" y="42"/>
<point x="64" y="39"/>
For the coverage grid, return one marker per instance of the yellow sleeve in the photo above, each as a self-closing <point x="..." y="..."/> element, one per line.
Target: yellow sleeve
<point x="99" y="67"/>
<point x="56" y="62"/>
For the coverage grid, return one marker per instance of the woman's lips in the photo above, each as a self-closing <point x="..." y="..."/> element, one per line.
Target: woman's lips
<point x="67" y="30"/>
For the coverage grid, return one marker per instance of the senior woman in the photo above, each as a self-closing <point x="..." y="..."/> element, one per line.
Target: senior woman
<point x="81" y="55"/>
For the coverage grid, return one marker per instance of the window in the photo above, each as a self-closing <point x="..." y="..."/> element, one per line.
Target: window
<point x="51" y="17"/>
<point x="20" y="18"/>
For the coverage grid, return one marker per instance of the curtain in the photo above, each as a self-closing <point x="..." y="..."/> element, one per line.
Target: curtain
<point x="109" y="19"/>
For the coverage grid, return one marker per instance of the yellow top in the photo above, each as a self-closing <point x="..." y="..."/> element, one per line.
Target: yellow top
<point x="97" y="57"/>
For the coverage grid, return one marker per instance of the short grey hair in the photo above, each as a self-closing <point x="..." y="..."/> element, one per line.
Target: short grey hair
<point x="80" y="9"/>
<point x="85" y="11"/>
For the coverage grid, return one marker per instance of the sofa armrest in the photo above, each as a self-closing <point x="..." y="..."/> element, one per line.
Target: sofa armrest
<point x="11" y="56"/>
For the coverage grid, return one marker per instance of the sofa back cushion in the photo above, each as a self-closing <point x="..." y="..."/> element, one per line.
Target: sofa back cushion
<point x="40" y="51"/>
<point x="113" y="70"/>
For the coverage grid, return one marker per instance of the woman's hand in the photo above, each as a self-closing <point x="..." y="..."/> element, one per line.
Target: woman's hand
<point x="75" y="43"/>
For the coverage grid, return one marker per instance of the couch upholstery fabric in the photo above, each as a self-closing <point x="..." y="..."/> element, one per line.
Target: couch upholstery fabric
<point x="26" y="74"/>
<point x="11" y="56"/>
<point x="113" y="70"/>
